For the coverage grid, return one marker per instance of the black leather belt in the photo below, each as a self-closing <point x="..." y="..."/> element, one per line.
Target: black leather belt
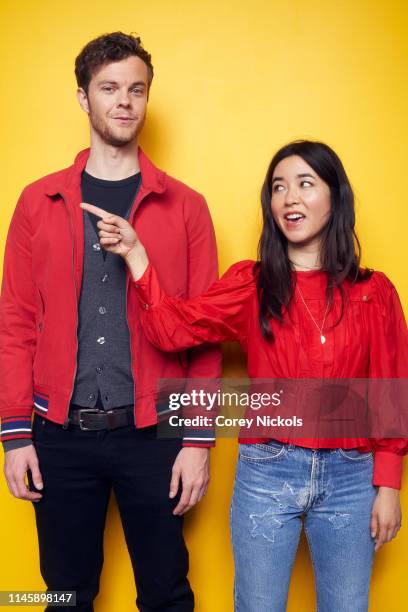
<point x="92" y="419"/>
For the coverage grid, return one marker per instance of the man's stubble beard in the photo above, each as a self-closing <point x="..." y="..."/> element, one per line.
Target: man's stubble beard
<point x="107" y="135"/>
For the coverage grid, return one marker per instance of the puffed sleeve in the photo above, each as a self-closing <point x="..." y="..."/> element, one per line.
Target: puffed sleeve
<point x="218" y="315"/>
<point x="388" y="360"/>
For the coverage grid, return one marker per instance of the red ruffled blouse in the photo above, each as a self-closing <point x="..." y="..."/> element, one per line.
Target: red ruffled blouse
<point x="369" y="342"/>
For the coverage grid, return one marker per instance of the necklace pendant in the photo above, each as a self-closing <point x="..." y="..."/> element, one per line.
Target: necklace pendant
<point x="322" y="339"/>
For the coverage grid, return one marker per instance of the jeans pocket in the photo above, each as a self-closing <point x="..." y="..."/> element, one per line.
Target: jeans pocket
<point x="353" y="454"/>
<point x="262" y="452"/>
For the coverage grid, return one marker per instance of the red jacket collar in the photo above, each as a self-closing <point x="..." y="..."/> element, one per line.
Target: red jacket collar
<point x="153" y="179"/>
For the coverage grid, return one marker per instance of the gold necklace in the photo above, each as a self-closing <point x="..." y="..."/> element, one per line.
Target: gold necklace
<point x="303" y="266"/>
<point x="322" y="337"/>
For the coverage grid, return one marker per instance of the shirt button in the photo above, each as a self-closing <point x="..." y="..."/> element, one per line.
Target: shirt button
<point x="104" y="278"/>
<point x="96" y="246"/>
<point x="101" y="340"/>
<point x="99" y="369"/>
<point x="102" y="310"/>
<point x="146" y="306"/>
<point x="91" y="396"/>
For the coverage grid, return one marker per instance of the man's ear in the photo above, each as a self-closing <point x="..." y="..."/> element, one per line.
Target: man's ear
<point x="82" y="99"/>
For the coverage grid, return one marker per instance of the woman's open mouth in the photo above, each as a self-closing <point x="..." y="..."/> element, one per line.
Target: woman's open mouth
<point x="293" y="219"/>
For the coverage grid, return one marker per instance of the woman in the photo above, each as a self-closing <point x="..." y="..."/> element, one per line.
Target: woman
<point x="305" y="310"/>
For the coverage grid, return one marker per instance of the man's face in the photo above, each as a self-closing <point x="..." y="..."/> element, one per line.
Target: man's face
<point x="116" y="101"/>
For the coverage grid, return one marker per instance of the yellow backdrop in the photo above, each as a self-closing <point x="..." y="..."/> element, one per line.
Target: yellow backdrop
<point x="234" y="81"/>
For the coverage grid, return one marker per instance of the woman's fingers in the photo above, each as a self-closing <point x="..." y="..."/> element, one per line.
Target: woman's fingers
<point x="114" y="231"/>
<point x="108" y="227"/>
<point x="95" y="210"/>
<point x="374" y="524"/>
<point x="103" y="234"/>
<point x="109" y="241"/>
<point x="104" y="214"/>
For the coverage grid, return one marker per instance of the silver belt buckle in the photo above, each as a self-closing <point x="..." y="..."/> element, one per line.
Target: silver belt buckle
<point x="80" y="422"/>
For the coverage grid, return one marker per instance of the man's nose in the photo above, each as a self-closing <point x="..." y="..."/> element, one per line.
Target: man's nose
<point x="123" y="98"/>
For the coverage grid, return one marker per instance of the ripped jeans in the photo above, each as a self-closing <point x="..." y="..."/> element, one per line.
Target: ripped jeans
<point x="275" y="485"/>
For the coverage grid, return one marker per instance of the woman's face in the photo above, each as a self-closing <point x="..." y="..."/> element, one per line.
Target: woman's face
<point x="300" y="201"/>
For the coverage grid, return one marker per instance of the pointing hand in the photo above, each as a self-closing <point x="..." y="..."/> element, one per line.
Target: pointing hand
<point x="116" y="235"/>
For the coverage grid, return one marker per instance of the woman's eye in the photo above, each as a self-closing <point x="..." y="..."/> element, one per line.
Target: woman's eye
<point x="278" y="187"/>
<point x="306" y="184"/>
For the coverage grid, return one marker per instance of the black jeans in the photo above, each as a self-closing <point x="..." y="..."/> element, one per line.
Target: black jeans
<point x="79" y="469"/>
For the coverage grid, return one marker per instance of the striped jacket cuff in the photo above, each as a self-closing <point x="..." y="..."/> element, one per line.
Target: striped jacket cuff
<point x="199" y="437"/>
<point x="15" y="428"/>
<point x="9" y="445"/>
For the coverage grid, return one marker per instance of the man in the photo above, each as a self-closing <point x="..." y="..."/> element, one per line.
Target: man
<point x="72" y="349"/>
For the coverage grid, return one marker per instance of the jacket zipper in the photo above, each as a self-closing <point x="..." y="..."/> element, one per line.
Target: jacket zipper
<point x="66" y="421"/>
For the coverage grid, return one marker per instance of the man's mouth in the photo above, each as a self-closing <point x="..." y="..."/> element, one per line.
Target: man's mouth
<point x="124" y="119"/>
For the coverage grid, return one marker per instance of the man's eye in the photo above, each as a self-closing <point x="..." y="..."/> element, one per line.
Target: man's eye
<point x="107" y="88"/>
<point x="138" y="92"/>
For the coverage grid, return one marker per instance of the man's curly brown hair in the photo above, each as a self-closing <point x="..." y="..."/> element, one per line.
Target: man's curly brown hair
<point x="109" y="48"/>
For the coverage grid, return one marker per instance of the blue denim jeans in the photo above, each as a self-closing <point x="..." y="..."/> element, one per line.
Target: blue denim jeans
<point x="276" y="485"/>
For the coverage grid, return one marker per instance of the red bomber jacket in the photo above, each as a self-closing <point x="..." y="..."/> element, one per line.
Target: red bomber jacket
<point x="371" y="340"/>
<point x="41" y="285"/>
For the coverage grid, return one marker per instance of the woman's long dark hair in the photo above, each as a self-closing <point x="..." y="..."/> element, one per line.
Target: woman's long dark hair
<point x="340" y="249"/>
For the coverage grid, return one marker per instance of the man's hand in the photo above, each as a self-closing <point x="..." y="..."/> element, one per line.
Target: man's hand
<point x="385" y="516"/>
<point x="16" y="464"/>
<point x="117" y="236"/>
<point x="192" y="466"/>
